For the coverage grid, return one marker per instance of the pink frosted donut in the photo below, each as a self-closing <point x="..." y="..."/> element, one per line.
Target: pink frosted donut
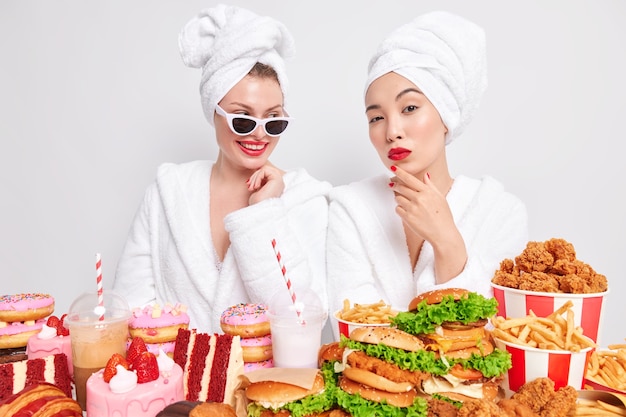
<point x="156" y="324"/>
<point x="257" y="349"/>
<point x="16" y="334"/>
<point x="252" y="366"/>
<point x="25" y="307"/>
<point x="245" y="320"/>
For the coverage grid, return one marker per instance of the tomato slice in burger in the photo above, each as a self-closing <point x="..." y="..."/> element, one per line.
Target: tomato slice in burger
<point x="470" y="374"/>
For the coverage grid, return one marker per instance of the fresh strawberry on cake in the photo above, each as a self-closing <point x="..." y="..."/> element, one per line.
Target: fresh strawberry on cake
<point x="54" y="337"/>
<point x="141" y="384"/>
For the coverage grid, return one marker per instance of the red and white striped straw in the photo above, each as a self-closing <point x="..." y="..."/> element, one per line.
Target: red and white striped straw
<point x="99" y="282"/>
<point x="283" y="270"/>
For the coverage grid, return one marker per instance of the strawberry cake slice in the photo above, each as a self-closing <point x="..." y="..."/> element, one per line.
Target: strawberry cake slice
<point x="53" y="338"/>
<point x="139" y="385"/>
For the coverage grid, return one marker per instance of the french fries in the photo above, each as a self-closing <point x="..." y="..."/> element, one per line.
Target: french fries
<point x="586" y="407"/>
<point x="608" y="367"/>
<point x="375" y="313"/>
<point x="554" y="332"/>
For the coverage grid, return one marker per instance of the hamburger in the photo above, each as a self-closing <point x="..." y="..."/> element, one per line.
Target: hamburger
<point x="269" y="398"/>
<point x="372" y="376"/>
<point x="450" y="323"/>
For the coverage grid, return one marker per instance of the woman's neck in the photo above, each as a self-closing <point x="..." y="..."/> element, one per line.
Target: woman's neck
<point x="224" y="172"/>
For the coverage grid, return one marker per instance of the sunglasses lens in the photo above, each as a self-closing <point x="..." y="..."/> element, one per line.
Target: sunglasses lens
<point x="276" y="127"/>
<point x="243" y="126"/>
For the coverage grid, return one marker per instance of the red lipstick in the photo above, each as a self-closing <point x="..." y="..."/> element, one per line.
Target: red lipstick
<point x="252" y="148"/>
<point x="397" y="154"/>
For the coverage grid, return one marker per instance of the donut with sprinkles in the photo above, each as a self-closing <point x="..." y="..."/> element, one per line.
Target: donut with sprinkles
<point x="245" y="320"/>
<point x="25" y="307"/>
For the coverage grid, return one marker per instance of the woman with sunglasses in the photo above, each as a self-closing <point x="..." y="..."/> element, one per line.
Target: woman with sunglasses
<point x="423" y="229"/>
<point x="203" y="235"/>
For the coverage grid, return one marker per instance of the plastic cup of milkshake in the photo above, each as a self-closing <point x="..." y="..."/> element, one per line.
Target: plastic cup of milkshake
<point x="98" y="329"/>
<point x="296" y="329"/>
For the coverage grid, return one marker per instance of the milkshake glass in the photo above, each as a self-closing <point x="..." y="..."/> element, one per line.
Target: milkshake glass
<point x="97" y="331"/>
<point x="296" y="338"/>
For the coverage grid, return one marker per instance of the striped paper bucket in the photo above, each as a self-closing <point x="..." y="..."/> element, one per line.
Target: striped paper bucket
<point x="346" y="327"/>
<point x="588" y="308"/>
<point x="561" y="366"/>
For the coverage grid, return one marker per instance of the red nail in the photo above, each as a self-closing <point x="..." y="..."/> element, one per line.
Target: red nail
<point x="393" y="168"/>
<point x="428" y="175"/>
<point x="391" y="184"/>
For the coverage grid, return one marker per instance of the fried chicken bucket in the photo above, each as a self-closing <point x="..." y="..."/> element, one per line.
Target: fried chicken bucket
<point x="352" y="317"/>
<point x="545" y="276"/>
<point x="588" y="308"/>
<point x="561" y="366"/>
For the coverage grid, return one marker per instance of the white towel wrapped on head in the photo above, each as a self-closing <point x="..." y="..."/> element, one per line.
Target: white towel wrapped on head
<point x="226" y="42"/>
<point x="444" y="55"/>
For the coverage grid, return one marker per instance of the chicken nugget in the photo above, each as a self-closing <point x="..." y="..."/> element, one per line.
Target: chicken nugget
<point x="534" y="258"/>
<point x="563" y="400"/>
<point x="560" y="249"/>
<point x="540" y="282"/>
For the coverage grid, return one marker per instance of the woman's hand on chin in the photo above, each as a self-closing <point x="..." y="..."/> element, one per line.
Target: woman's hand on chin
<point x="266" y="182"/>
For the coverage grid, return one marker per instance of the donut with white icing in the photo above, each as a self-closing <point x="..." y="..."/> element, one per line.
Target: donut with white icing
<point x="245" y="320"/>
<point x="25" y="307"/>
<point x="158" y="324"/>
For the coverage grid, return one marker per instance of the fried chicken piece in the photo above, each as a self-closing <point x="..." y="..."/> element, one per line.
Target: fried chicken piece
<point x="563" y="400"/>
<point x="388" y="370"/>
<point x="597" y="283"/>
<point x="563" y="267"/>
<point x="534" y="258"/>
<point x="440" y="408"/>
<point x="506" y="279"/>
<point x="539" y="281"/>
<point x="540" y="397"/>
<point x="535" y="394"/>
<point x="560" y="249"/>
<point x="479" y="408"/>
<point x="513" y="408"/>
<point x="507" y="266"/>
<point x="573" y="284"/>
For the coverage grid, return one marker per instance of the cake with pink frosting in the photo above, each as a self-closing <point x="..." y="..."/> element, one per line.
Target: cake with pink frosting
<point x="53" y="338"/>
<point x="124" y="396"/>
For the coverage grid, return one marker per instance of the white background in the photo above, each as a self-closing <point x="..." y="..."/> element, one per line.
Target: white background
<point x="94" y="96"/>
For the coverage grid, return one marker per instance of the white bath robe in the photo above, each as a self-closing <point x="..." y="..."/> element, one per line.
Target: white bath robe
<point x="367" y="254"/>
<point x="169" y="254"/>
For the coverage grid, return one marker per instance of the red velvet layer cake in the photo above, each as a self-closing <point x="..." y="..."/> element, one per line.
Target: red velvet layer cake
<point x="211" y="364"/>
<point x="52" y="369"/>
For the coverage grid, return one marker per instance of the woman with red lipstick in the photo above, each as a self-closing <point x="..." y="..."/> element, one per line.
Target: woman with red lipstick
<point x="203" y="234"/>
<point x="421" y="230"/>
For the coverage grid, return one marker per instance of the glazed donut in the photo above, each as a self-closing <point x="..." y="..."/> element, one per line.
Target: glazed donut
<point x="16" y="334"/>
<point x="256" y="349"/>
<point x="156" y="324"/>
<point x="25" y="307"/>
<point x="253" y="366"/>
<point x="245" y="320"/>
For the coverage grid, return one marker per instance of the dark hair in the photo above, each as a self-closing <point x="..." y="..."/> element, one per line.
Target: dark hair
<point x="263" y="71"/>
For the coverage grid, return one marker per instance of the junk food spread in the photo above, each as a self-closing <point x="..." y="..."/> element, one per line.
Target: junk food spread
<point x="452" y="353"/>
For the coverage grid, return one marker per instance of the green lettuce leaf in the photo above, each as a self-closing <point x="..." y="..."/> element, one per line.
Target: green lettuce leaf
<point x="427" y="317"/>
<point x="492" y="365"/>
